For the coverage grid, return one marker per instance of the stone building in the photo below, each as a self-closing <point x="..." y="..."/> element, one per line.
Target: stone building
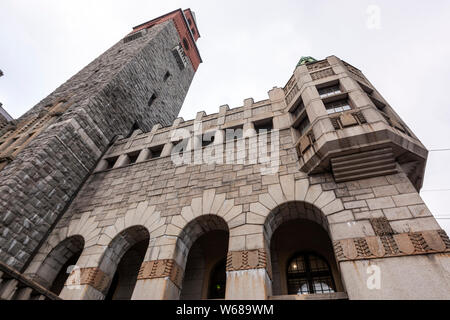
<point x="309" y="194"/>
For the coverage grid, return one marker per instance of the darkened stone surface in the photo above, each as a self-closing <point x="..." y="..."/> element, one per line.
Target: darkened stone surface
<point x="104" y="99"/>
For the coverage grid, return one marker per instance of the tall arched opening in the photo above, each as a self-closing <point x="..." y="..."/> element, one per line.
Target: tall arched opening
<point x="204" y="248"/>
<point x="301" y="251"/>
<point x="122" y="260"/>
<point x="58" y="264"/>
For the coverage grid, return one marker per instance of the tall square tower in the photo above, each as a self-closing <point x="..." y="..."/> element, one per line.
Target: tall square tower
<point x="46" y="154"/>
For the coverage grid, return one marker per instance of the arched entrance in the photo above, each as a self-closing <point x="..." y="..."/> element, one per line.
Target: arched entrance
<point x="301" y="251"/>
<point x="122" y="261"/>
<point x="205" y="240"/>
<point x="56" y="267"/>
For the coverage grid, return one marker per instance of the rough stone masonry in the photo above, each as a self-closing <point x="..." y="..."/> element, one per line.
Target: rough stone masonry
<point x="101" y="102"/>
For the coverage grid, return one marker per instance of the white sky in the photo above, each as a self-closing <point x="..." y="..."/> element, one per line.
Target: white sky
<point x="248" y="47"/>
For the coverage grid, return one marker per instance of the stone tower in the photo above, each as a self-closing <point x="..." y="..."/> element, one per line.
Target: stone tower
<point x="47" y="154"/>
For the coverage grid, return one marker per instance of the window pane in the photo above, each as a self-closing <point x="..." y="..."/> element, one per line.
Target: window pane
<point x="306" y="269"/>
<point x="297" y="265"/>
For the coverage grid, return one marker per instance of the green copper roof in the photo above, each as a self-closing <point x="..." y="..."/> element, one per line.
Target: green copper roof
<point x="305" y="60"/>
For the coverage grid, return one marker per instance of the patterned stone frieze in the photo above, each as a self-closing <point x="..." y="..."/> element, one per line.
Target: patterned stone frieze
<point x="392" y="245"/>
<point x="162" y="269"/>
<point x="247" y="260"/>
<point x="93" y="277"/>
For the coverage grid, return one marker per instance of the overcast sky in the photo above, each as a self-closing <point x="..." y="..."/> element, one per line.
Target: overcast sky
<point x="247" y="48"/>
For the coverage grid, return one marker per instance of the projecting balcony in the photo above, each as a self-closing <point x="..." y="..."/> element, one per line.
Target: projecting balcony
<point x="357" y="149"/>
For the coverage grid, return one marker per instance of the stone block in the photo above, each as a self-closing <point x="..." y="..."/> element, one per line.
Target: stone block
<point x="380" y="203"/>
<point x="384" y="191"/>
<point x="407" y="199"/>
<point x="397" y="213"/>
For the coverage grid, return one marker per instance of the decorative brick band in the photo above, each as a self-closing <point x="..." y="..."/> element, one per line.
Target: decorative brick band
<point x="93" y="277"/>
<point x="248" y="259"/>
<point x="403" y="244"/>
<point x="161" y="269"/>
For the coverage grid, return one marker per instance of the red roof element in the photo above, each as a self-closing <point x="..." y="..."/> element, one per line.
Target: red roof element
<point x="187" y="30"/>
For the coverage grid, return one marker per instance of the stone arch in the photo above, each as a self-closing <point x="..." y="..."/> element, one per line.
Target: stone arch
<point x="293" y="227"/>
<point x="309" y="198"/>
<point x="221" y="211"/>
<point x="202" y="243"/>
<point x="293" y="210"/>
<point x="135" y="238"/>
<point x="53" y="271"/>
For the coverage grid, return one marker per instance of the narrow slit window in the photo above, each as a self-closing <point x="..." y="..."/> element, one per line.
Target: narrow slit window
<point x="166" y="76"/>
<point x="152" y="100"/>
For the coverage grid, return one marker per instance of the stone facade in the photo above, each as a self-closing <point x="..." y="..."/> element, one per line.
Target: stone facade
<point x="341" y="178"/>
<point x="47" y="155"/>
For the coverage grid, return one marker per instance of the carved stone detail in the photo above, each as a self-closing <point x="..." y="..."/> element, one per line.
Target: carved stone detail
<point x="161" y="269"/>
<point x="247" y="259"/>
<point x="93" y="277"/>
<point x="404" y="244"/>
<point x="322" y="74"/>
<point x="381" y="226"/>
<point x="318" y="65"/>
<point x="375" y="246"/>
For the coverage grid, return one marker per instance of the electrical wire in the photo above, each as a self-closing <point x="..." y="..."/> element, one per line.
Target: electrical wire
<point x="434" y="190"/>
<point x="437" y="150"/>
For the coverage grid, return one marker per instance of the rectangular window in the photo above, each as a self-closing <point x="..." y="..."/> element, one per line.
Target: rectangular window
<point x="329" y="91"/>
<point x="133" y="157"/>
<point x="337" y="106"/>
<point x="111" y="162"/>
<point x="303" y="126"/>
<point x="156" y="151"/>
<point x="298" y="109"/>
<point x="151" y="100"/>
<point x="207" y="139"/>
<point x="266" y="124"/>
<point x="182" y="145"/>
<point x="234" y="133"/>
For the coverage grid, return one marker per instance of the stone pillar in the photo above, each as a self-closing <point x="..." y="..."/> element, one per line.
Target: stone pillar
<point x="102" y="165"/>
<point x="86" y="284"/>
<point x="145" y="154"/>
<point x="24" y="294"/>
<point x="248" y="275"/>
<point x="122" y="161"/>
<point x="167" y="149"/>
<point x="8" y="288"/>
<point x="158" y="280"/>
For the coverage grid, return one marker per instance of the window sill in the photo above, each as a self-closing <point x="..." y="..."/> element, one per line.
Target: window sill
<point x="321" y="296"/>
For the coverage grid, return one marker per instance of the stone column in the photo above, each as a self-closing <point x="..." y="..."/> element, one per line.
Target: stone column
<point x="86" y="284"/>
<point x="248" y="275"/>
<point x="167" y="149"/>
<point x="122" y="161"/>
<point x="145" y="154"/>
<point x="102" y="165"/>
<point x="158" y="280"/>
<point x="8" y="289"/>
<point x="24" y="293"/>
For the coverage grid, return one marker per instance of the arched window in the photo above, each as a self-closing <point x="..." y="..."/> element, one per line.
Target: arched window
<point x="309" y="273"/>
<point x="218" y="281"/>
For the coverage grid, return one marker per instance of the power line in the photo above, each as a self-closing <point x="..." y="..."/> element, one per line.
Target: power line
<point x="434" y="190"/>
<point x="436" y="150"/>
